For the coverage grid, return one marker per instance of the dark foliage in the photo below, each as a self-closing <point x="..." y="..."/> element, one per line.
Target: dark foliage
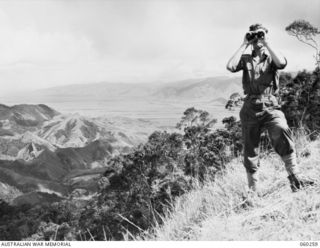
<point x="235" y="100"/>
<point x="301" y="100"/>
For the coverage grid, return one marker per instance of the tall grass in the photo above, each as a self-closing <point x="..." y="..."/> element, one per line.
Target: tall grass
<point x="218" y="210"/>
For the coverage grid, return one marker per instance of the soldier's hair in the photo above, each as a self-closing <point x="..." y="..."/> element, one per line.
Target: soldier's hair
<point x="257" y="26"/>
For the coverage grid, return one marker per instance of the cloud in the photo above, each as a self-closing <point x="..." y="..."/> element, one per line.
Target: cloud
<point x="28" y="45"/>
<point x="52" y="43"/>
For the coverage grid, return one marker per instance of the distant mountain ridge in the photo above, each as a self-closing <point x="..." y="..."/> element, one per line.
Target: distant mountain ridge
<point x="190" y="89"/>
<point x="203" y="89"/>
<point x="23" y="117"/>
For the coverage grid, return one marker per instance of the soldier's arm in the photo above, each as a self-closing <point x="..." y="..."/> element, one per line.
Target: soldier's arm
<point x="278" y="59"/>
<point x="234" y="61"/>
<point x="233" y="64"/>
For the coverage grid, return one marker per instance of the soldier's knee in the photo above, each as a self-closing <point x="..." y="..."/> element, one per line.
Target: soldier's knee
<point x="280" y="130"/>
<point x="251" y="164"/>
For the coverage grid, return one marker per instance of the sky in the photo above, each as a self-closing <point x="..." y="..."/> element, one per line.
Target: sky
<point x="53" y="43"/>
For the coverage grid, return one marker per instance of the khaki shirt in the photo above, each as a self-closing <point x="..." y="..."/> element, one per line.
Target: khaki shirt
<point x="259" y="78"/>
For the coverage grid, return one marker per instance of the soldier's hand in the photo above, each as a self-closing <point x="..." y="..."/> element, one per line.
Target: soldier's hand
<point x="245" y="40"/>
<point x="264" y="39"/>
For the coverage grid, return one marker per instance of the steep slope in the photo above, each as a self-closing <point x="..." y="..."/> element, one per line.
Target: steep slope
<point x="29" y="152"/>
<point x="29" y="178"/>
<point x="17" y="126"/>
<point x="77" y="131"/>
<point x="84" y="157"/>
<point x="117" y="134"/>
<point x="64" y="154"/>
<point x="20" y="118"/>
<point x="8" y="193"/>
<point x="69" y="131"/>
<point x="125" y="131"/>
<point x="23" y="146"/>
<point x="50" y="168"/>
<point x="219" y="212"/>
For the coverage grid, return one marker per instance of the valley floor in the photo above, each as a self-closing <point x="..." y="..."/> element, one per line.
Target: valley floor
<point x="217" y="211"/>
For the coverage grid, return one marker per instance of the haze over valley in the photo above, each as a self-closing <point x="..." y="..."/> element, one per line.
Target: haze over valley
<point x="161" y="103"/>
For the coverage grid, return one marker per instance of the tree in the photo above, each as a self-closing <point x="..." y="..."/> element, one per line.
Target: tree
<point x="235" y="100"/>
<point x="196" y="125"/>
<point x="306" y="33"/>
<point x="301" y="99"/>
<point x="195" y="118"/>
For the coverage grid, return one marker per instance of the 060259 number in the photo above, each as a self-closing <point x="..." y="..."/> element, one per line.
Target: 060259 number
<point x="308" y="244"/>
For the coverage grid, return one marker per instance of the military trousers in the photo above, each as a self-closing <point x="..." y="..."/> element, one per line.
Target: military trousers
<point x="259" y="114"/>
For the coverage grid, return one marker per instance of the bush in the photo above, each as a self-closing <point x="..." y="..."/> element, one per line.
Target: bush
<point x="301" y="100"/>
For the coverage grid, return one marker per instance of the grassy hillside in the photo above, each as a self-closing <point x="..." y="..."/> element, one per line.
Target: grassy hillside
<point x="218" y="211"/>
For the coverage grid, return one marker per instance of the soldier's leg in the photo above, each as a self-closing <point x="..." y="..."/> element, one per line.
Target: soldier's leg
<point x="251" y="137"/>
<point x="281" y="139"/>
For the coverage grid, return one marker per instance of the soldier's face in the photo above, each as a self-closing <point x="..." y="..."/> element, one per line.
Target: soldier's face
<point x="257" y="44"/>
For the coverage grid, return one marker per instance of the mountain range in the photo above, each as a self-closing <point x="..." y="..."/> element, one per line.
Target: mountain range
<point x="43" y="152"/>
<point x="207" y="89"/>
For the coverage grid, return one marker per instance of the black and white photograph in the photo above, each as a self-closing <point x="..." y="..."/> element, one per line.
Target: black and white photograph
<point x="159" y="120"/>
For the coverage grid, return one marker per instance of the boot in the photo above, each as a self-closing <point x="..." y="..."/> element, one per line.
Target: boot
<point x="297" y="183"/>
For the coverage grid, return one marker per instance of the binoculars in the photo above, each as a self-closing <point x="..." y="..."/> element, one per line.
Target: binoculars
<point x="255" y="35"/>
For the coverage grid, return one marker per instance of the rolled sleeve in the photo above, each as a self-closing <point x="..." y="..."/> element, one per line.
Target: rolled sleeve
<point x="239" y="66"/>
<point x="281" y="65"/>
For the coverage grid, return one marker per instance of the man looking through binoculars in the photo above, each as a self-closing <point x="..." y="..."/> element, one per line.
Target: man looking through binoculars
<point x="261" y="109"/>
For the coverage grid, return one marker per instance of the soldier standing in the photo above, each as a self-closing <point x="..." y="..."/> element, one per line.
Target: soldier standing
<point x="261" y="109"/>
